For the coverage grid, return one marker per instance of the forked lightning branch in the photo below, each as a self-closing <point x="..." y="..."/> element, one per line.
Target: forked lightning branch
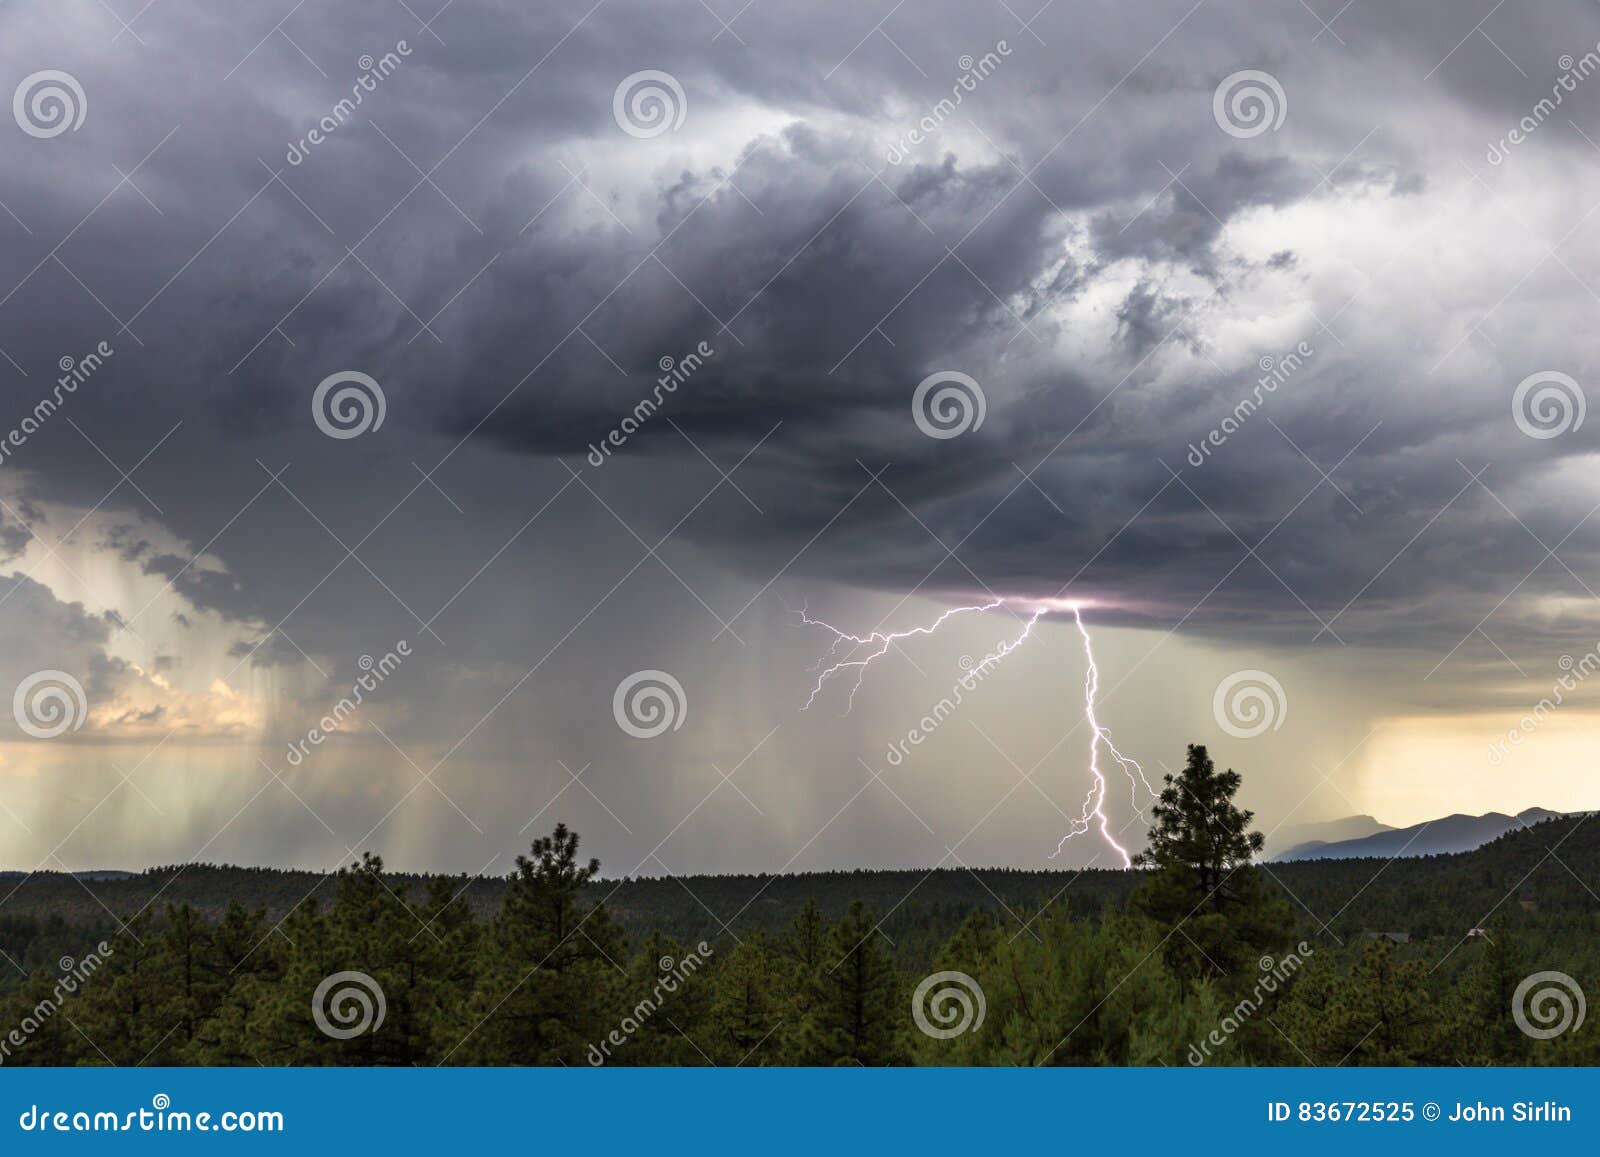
<point x="849" y="656"/>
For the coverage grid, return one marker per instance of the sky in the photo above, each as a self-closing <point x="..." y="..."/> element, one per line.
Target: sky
<point x="391" y="392"/>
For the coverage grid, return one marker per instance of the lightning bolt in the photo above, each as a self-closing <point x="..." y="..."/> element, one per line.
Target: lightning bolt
<point x="1094" y="802"/>
<point x="848" y="657"/>
<point x="877" y="644"/>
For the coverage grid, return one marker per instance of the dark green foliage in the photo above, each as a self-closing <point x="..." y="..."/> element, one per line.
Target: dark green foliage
<point x="1379" y="1012"/>
<point x="550" y="977"/>
<point x="1202" y="957"/>
<point x="749" y="1006"/>
<point x="1204" y="887"/>
<point x="853" y="1013"/>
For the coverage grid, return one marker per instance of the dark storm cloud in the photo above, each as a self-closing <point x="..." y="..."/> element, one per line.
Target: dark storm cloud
<point x="1078" y="234"/>
<point x="270" y="651"/>
<point x="1070" y="237"/>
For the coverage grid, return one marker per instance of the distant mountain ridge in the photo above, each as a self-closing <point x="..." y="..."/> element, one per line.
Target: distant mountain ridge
<point x="1297" y="837"/>
<point x="1448" y="834"/>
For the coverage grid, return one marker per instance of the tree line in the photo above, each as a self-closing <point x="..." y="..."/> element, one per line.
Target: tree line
<point x="1202" y="956"/>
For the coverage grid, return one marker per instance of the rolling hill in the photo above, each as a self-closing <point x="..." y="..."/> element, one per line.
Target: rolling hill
<point x="1449" y="834"/>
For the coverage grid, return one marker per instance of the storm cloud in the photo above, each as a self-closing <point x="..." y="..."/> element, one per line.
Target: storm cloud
<point x="1295" y="383"/>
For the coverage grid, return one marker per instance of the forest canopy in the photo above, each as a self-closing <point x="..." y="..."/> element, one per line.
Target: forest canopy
<point x="1202" y="954"/>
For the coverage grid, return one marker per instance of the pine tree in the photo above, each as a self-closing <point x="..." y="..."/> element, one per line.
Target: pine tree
<point x="666" y="1018"/>
<point x="1482" y="1002"/>
<point x="1378" y="1013"/>
<point x="551" y="978"/>
<point x="749" y="1005"/>
<point x="130" y="1012"/>
<point x="188" y="940"/>
<point x="855" y="1013"/>
<point x="247" y="963"/>
<point x="1204" y="888"/>
<point x="800" y="950"/>
<point x="452" y="976"/>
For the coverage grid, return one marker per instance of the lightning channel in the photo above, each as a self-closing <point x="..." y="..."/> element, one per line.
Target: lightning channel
<point x="876" y="647"/>
<point x="849" y="655"/>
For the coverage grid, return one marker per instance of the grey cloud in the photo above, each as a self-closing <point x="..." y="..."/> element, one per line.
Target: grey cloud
<point x="804" y="255"/>
<point x="1080" y="237"/>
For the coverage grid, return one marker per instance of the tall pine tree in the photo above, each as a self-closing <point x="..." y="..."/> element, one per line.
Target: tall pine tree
<point x="1204" y="889"/>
